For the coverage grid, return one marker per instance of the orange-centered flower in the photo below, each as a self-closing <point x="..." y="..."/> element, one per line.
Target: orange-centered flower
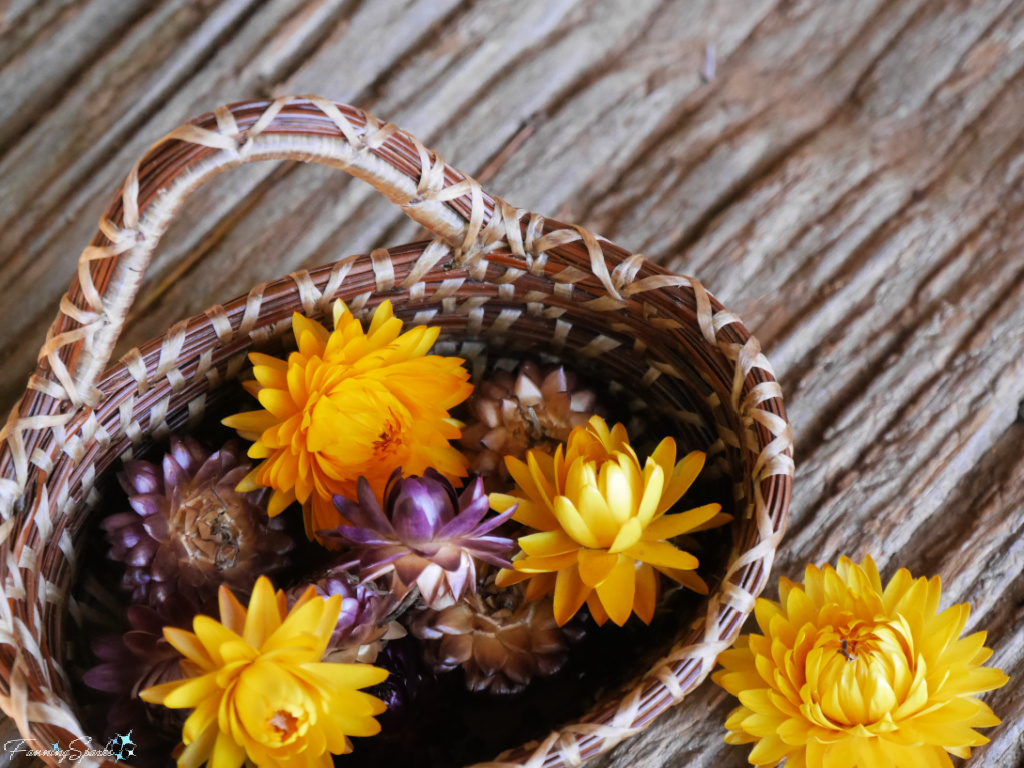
<point x="259" y="690"/>
<point x="853" y="674"/>
<point x="603" y="531"/>
<point x="348" y="404"/>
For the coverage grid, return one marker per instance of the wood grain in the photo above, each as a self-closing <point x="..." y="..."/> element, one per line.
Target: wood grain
<point x="849" y="182"/>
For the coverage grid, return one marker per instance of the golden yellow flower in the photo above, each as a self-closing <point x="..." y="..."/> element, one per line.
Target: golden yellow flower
<point x="259" y="690"/>
<point x="349" y="404"/>
<point x="603" y="531"/>
<point x="853" y="675"/>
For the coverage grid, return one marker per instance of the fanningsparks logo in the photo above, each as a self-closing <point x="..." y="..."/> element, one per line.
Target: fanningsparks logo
<point x="119" y="748"/>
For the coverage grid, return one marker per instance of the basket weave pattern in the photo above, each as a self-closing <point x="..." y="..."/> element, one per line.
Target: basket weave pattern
<point x="494" y="278"/>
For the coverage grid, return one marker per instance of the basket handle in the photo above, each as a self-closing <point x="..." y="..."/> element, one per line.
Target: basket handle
<point x="448" y="203"/>
<point x="92" y="313"/>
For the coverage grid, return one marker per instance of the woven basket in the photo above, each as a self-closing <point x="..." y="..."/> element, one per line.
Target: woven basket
<point x="494" y="278"/>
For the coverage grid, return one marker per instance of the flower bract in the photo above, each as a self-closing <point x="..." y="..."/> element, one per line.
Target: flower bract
<point x="259" y="690"/>
<point x="188" y="530"/>
<point x="500" y="640"/>
<point x="512" y="412"/>
<point x="603" y="532"/>
<point x="424" y="533"/>
<point x="853" y="674"/>
<point x="349" y="404"/>
<point x="138" y="659"/>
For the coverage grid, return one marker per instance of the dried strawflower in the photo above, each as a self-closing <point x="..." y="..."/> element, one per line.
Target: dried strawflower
<point x="363" y="626"/>
<point x="851" y="673"/>
<point x="260" y="691"/>
<point x="351" y="404"/>
<point x="603" y="531"/>
<point x="425" y="533"/>
<point x="189" y="530"/>
<point x="512" y="413"/>
<point x="500" y="639"/>
<point x="138" y="659"/>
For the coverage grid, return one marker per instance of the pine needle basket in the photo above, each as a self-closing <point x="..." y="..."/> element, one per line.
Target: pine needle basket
<point x="494" y="277"/>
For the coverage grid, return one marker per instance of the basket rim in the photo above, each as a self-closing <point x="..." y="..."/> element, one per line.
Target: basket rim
<point x="755" y="396"/>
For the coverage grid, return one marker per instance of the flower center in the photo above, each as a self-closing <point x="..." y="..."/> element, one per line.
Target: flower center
<point x="284" y="723"/>
<point x="207" y="527"/>
<point x="528" y="427"/>
<point x="389" y="440"/>
<point x="851" y="649"/>
<point x="860" y="672"/>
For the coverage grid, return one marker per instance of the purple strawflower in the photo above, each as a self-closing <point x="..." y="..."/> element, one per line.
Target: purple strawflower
<point x="363" y="626"/>
<point x="189" y="530"/>
<point x="136" y="660"/>
<point x="429" y="536"/>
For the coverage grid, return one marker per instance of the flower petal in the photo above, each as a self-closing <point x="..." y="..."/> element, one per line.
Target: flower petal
<point x="664" y="554"/>
<point x="157" y="694"/>
<point x="198" y="752"/>
<point x="262" y="618"/>
<point x="192" y="691"/>
<point x="680" y="478"/>
<point x="618" y="590"/>
<point x="540" y="585"/>
<point x="647" y="591"/>
<point x="628" y="535"/>
<point x="547" y="544"/>
<point x="570" y="594"/>
<point x="353" y="676"/>
<point x="573" y="524"/>
<point x="596" y="608"/>
<point x="597" y="515"/>
<point x="227" y="753"/>
<point x="617" y="490"/>
<point x="545" y="564"/>
<point x="688" y="579"/>
<point x="506" y="577"/>
<point x="670" y="526"/>
<point x="595" y="565"/>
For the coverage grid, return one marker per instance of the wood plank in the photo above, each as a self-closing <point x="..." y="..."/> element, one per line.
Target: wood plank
<point x="32" y="81"/>
<point x="931" y="350"/>
<point x="982" y="521"/>
<point x="849" y="182"/>
<point x="74" y="140"/>
<point x="21" y="21"/>
<point x="299" y="215"/>
<point x="52" y="224"/>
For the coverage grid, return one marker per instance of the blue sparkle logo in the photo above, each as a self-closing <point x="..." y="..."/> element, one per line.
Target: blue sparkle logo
<point x="121" y="747"/>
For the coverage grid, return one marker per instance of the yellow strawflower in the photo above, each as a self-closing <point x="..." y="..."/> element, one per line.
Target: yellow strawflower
<point x="603" y="531"/>
<point x="851" y="674"/>
<point x="347" y="404"/>
<point x="259" y="690"/>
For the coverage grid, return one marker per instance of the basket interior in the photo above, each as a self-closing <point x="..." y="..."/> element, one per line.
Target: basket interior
<point x="652" y="353"/>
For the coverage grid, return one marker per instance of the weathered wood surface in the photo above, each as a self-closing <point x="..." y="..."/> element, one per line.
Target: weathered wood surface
<point x="848" y="180"/>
